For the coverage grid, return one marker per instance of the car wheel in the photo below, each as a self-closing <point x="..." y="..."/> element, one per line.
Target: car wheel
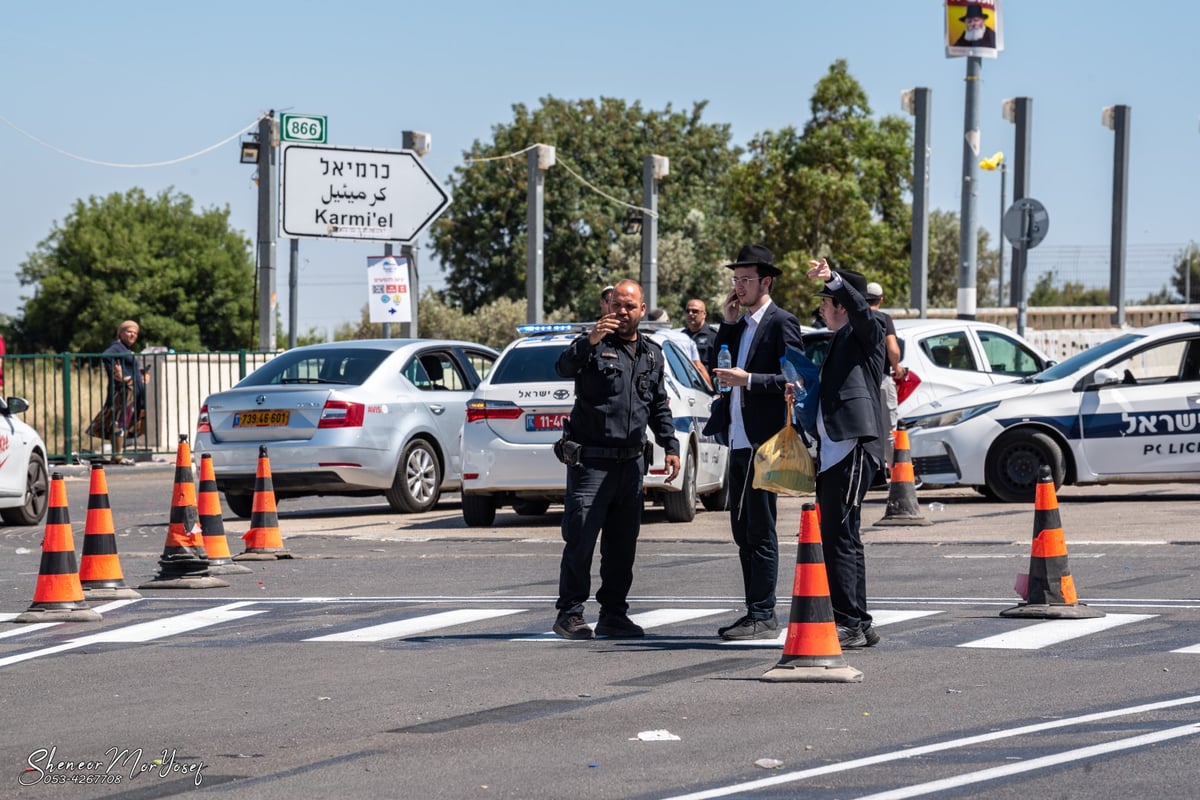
<point x="531" y="508"/>
<point x="479" y="510"/>
<point x="418" y="482"/>
<point x="681" y="505"/>
<point x="37" y="489"/>
<point x="1014" y="462"/>
<point x="240" y="504"/>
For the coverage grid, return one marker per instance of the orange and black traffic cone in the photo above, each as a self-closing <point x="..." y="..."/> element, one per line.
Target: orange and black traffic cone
<point x="58" y="596"/>
<point x="100" y="566"/>
<point x="812" y="653"/>
<point x="212" y="526"/>
<point x="902" y="505"/>
<point x="1051" y="589"/>
<point x="263" y="540"/>
<point x="184" y="563"/>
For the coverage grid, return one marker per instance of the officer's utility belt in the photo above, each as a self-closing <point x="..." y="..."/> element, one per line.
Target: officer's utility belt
<point x="613" y="453"/>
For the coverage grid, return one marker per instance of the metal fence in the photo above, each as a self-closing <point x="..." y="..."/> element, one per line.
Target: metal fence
<point x="68" y="391"/>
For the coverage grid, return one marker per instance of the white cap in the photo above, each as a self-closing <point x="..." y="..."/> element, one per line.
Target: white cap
<point x="874" y="291"/>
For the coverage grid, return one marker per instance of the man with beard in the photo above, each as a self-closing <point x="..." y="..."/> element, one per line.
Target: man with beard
<point x="977" y="34"/>
<point x="755" y="412"/>
<point x="619" y="389"/>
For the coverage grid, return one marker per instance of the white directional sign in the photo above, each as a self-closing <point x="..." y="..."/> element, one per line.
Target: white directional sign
<point x="357" y="193"/>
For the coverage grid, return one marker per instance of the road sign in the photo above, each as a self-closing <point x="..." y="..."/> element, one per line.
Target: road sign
<point x="357" y="193"/>
<point x="308" y="128"/>
<point x="1025" y="223"/>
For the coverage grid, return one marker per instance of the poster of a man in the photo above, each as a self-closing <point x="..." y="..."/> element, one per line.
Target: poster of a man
<point x="973" y="29"/>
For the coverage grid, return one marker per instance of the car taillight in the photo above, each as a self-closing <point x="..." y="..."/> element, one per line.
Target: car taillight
<point x="342" y="414"/>
<point x="202" y="424"/>
<point x="492" y="409"/>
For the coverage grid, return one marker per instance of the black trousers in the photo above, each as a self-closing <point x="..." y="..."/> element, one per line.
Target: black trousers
<point x="840" y="492"/>
<point x="752" y="520"/>
<point x="603" y="497"/>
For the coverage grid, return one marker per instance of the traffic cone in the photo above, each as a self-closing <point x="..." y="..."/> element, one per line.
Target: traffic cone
<point x="208" y="504"/>
<point x="100" y="566"/>
<point x="902" y="505"/>
<point x="58" y="596"/>
<point x="1051" y="589"/>
<point x="263" y="540"/>
<point x="184" y="563"/>
<point x="812" y="653"/>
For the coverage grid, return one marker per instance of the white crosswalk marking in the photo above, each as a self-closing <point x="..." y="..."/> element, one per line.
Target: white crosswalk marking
<point x="891" y="617"/>
<point x="647" y="619"/>
<point x="1193" y="649"/>
<point x="1044" y="634"/>
<point x="412" y="627"/>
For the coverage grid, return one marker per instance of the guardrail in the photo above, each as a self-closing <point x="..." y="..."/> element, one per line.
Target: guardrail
<point x="68" y="391"/>
<point x="1061" y="318"/>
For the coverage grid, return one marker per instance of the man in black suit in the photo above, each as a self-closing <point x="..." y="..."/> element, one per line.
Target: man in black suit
<point x="756" y="411"/>
<point x="850" y="433"/>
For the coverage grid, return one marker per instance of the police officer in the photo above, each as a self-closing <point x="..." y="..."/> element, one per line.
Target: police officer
<point x="619" y="389"/>
<point x="704" y="335"/>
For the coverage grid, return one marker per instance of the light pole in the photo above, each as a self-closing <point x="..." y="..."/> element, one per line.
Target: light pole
<point x="991" y="165"/>
<point x="1116" y="119"/>
<point x="916" y="102"/>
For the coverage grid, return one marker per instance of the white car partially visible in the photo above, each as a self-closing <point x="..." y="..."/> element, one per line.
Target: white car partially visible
<point x="24" y="483"/>
<point x="517" y="414"/>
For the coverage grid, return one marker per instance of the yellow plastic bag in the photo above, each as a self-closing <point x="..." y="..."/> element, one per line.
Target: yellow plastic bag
<point x="782" y="464"/>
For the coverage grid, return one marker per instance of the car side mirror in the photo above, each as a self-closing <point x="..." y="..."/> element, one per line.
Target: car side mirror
<point x="17" y="405"/>
<point x="1105" y="377"/>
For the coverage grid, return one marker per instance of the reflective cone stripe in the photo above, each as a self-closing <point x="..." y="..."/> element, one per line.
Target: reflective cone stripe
<point x="902" y="468"/>
<point x="812" y="633"/>
<point x="208" y="505"/>
<point x="58" y="576"/>
<point x="99" y="567"/>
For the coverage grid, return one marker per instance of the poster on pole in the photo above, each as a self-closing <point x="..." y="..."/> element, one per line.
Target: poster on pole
<point x="973" y="29"/>
<point x="387" y="289"/>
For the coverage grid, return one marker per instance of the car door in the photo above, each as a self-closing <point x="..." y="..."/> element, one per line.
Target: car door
<point x="1149" y="423"/>
<point x="690" y="398"/>
<point x="1006" y="358"/>
<point x="447" y="386"/>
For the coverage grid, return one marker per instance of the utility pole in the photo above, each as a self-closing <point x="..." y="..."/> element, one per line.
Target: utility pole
<point x="541" y="158"/>
<point x="916" y="102"/>
<point x="1116" y="118"/>
<point x="654" y="168"/>
<point x="968" y="245"/>
<point x="267" y="144"/>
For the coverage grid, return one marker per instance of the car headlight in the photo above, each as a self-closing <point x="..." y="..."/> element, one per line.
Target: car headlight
<point x="948" y="418"/>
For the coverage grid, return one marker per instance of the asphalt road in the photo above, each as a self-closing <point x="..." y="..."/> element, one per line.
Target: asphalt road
<point x="409" y="656"/>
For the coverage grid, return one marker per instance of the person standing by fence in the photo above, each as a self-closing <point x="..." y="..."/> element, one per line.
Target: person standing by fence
<point x="125" y="400"/>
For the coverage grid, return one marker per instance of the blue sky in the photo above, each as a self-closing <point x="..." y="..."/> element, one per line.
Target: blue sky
<point x="136" y="81"/>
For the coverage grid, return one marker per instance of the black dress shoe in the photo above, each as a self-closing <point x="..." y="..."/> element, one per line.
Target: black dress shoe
<point x="740" y="621"/>
<point x="752" y="629"/>
<point x="618" y="626"/>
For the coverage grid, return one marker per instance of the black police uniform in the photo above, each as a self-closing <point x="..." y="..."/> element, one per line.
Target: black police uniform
<point x="619" y="390"/>
<point x="706" y="343"/>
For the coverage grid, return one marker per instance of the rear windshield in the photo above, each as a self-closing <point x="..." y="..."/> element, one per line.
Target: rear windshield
<point x="349" y="366"/>
<point x="528" y="365"/>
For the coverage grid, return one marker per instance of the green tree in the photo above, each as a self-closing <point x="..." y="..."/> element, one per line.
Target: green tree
<point x="481" y="240"/>
<point x="836" y="190"/>
<point x="942" y="275"/>
<point x="1072" y="293"/>
<point x="1185" y="280"/>
<point x="185" y="276"/>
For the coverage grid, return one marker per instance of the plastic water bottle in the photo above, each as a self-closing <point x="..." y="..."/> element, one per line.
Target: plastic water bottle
<point x="725" y="361"/>
<point x="793" y="377"/>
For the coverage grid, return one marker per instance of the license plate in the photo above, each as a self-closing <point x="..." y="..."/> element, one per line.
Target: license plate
<point x="545" y="422"/>
<point x="261" y="419"/>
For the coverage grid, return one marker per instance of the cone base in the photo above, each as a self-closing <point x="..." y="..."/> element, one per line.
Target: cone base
<point x="228" y="568"/>
<point x="82" y="613"/>
<point x="199" y="582"/>
<point x="904" y="520"/>
<point x="262" y="555"/>
<point x="782" y="674"/>
<point x="1052" y="611"/>
<point x="110" y="593"/>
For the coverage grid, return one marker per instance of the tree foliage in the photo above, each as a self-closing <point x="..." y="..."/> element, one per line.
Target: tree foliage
<point x="942" y="270"/>
<point x="482" y="239"/>
<point x="835" y="190"/>
<point x="1071" y="293"/>
<point x="185" y="276"/>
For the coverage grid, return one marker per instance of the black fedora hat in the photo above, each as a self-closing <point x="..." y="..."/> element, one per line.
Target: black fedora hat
<point x="755" y="255"/>
<point x="973" y="10"/>
<point x="849" y="276"/>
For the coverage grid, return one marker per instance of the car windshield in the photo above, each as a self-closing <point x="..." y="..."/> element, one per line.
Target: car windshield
<point x="1081" y="359"/>
<point x="528" y="365"/>
<point x="351" y="365"/>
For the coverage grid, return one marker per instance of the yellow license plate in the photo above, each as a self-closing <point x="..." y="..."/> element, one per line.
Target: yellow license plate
<point x="261" y="419"/>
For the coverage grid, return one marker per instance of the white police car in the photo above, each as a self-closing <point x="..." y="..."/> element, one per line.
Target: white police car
<point x="24" y="485"/>
<point x="516" y="415"/>
<point x="1124" y="411"/>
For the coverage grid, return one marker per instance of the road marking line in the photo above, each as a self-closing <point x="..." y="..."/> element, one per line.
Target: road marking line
<point x="411" y="627"/>
<point x="890" y="617"/>
<point x="1056" y="631"/>
<point x="647" y="619"/>
<point x="937" y="747"/>
<point x="145" y="631"/>
<point x="1193" y="649"/>
<point x="1044" y="762"/>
